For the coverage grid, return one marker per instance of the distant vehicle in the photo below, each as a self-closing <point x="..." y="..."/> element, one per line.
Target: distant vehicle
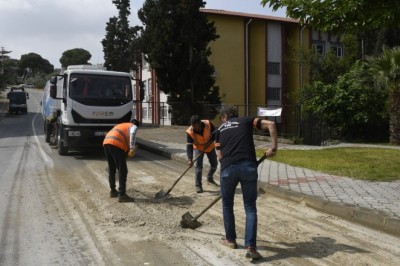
<point x="29" y="85"/>
<point x="17" y="100"/>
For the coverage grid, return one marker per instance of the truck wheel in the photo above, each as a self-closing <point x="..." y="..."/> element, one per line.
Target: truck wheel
<point x="60" y="142"/>
<point x="47" y="130"/>
<point x="53" y="133"/>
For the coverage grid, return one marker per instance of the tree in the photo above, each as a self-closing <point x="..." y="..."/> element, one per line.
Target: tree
<point x="121" y="45"/>
<point x="374" y="22"/>
<point x="341" y="15"/>
<point x="34" y="63"/>
<point x="32" y="68"/>
<point x="176" y="37"/>
<point x="353" y="110"/>
<point x="9" y="76"/>
<point x="328" y="68"/>
<point x="77" y="56"/>
<point x="386" y="70"/>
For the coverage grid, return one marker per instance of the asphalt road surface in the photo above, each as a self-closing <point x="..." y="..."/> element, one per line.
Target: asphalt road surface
<point x="56" y="210"/>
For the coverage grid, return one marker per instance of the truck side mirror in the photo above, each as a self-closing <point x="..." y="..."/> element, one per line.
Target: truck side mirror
<point x="53" y="91"/>
<point x="53" y="80"/>
<point x="27" y="95"/>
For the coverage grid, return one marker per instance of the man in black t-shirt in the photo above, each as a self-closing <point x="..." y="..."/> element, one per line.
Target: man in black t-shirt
<point x="236" y="152"/>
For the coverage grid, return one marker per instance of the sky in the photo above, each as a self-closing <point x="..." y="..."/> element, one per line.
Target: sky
<point x="50" y="27"/>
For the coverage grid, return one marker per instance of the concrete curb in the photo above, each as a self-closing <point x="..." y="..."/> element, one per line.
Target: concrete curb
<point x="367" y="217"/>
<point x="157" y="149"/>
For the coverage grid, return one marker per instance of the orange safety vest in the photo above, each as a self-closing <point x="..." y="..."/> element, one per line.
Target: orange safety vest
<point x="200" y="141"/>
<point x="119" y="136"/>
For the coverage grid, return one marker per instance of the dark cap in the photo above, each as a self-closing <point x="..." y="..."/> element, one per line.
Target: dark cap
<point x="194" y="119"/>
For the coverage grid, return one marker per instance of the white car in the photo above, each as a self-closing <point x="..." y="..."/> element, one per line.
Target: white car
<point x="29" y="85"/>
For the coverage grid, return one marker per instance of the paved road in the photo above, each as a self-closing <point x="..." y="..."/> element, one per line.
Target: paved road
<point x="34" y="232"/>
<point x="375" y="204"/>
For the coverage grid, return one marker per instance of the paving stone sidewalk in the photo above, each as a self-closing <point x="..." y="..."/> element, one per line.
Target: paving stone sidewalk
<point x="374" y="204"/>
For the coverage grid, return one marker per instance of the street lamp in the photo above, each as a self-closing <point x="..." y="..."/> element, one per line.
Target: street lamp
<point x="3" y="52"/>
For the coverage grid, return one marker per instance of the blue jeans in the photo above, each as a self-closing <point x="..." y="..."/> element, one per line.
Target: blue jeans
<point x="212" y="158"/>
<point x="245" y="173"/>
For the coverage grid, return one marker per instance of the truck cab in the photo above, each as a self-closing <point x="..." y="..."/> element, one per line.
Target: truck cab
<point x="93" y="100"/>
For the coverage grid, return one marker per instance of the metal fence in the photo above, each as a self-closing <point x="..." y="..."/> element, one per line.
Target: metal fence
<point x="310" y="130"/>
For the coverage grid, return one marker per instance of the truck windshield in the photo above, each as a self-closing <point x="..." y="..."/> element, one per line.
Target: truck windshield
<point x="101" y="89"/>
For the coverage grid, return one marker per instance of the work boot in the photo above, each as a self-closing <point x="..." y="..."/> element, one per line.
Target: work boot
<point x="113" y="193"/>
<point x="212" y="182"/>
<point x="229" y="243"/>
<point x="199" y="189"/>
<point x="125" y="198"/>
<point x="252" y="253"/>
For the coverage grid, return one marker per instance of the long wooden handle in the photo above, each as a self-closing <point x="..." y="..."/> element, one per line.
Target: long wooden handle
<point x="220" y="196"/>
<point x="179" y="178"/>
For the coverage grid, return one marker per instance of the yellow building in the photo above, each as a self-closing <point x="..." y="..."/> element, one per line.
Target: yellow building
<point x="255" y="65"/>
<point x="252" y="68"/>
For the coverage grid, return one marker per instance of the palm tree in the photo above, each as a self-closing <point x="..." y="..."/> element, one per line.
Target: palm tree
<point x="386" y="71"/>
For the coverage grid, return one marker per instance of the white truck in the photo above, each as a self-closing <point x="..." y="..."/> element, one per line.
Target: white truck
<point x="92" y="101"/>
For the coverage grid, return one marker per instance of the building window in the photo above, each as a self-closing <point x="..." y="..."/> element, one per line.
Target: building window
<point x="273" y="94"/>
<point x="274" y="68"/>
<point x="149" y="92"/>
<point x="145" y="112"/>
<point x="337" y="49"/>
<point x="319" y="48"/>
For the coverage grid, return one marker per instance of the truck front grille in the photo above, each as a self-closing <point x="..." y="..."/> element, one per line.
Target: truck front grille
<point x="81" y="120"/>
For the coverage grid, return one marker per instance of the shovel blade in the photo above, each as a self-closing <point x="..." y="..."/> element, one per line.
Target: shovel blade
<point x="160" y="194"/>
<point x="188" y="221"/>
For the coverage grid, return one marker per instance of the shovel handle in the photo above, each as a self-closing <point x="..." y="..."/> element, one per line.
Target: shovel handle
<point x="208" y="207"/>
<point x="187" y="169"/>
<point x="219" y="197"/>
<point x="262" y="158"/>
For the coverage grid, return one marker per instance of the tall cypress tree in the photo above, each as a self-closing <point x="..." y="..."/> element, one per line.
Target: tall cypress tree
<point x="175" y="41"/>
<point x="120" y="42"/>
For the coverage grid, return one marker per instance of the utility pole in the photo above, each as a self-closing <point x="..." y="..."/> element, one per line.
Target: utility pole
<point x="3" y="52"/>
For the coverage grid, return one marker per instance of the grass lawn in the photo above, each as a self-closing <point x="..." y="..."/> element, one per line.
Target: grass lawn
<point x="375" y="164"/>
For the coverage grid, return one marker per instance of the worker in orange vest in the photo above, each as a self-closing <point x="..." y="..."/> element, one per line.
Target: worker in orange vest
<point x="119" y="144"/>
<point x="200" y="139"/>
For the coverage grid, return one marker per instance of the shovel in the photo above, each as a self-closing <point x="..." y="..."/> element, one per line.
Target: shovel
<point x="161" y="194"/>
<point x="188" y="221"/>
